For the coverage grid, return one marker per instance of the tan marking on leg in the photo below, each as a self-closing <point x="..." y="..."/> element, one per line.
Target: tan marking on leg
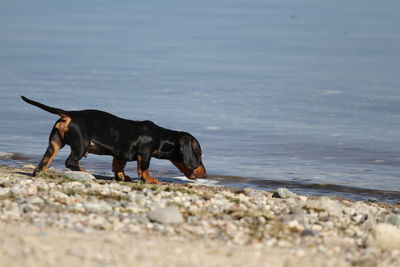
<point x="118" y="169"/>
<point x="82" y="169"/>
<point x="139" y="166"/>
<point x="148" y="178"/>
<point x="62" y="124"/>
<point x="47" y="159"/>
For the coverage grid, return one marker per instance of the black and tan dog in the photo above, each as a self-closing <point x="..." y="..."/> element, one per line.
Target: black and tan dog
<point x="101" y="133"/>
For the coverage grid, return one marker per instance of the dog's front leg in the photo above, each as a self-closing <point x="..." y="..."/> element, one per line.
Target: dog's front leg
<point x="118" y="169"/>
<point x="143" y="163"/>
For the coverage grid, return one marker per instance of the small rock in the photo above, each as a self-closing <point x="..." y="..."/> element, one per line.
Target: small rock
<point x="13" y="212"/>
<point x="35" y="200"/>
<point x="170" y="214"/>
<point x="5" y="182"/>
<point x="333" y="207"/>
<point x="4" y="191"/>
<point x="297" y="210"/>
<point x="73" y="185"/>
<point x="253" y="192"/>
<point x="284" y="193"/>
<point x="140" y="219"/>
<point x="370" y="222"/>
<point x="78" y="207"/>
<point x="309" y="232"/>
<point x="28" y="208"/>
<point x="60" y="196"/>
<point x="97" y="207"/>
<point x="394" y="219"/>
<point x="384" y="236"/>
<point x="79" y="176"/>
<point x="7" y="155"/>
<point x="31" y="190"/>
<point x="28" y="166"/>
<point x="16" y="190"/>
<point x="373" y="200"/>
<point x="303" y="198"/>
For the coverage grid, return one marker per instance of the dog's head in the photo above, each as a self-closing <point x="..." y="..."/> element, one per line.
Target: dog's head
<point x="190" y="162"/>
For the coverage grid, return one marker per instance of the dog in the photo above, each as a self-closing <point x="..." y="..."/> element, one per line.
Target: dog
<point x="101" y="133"/>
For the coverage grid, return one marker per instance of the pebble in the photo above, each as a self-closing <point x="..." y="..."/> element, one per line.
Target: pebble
<point x="97" y="207"/>
<point x="167" y="215"/>
<point x="79" y="176"/>
<point x="35" y="200"/>
<point x="4" y="191"/>
<point x="331" y="206"/>
<point x="248" y="217"/>
<point x="284" y="193"/>
<point x="309" y="232"/>
<point x="29" y="166"/>
<point x="7" y="155"/>
<point x="60" y="197"/>
<point x="384" y="236"/>
<point x="28" y="208"/>
<point x="394" y="219"/>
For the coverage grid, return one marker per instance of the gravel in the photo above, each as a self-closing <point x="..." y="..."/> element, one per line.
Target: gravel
<point x="338" y="230"/>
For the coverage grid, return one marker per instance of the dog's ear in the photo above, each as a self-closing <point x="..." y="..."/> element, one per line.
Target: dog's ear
<point x="190" y="158"/>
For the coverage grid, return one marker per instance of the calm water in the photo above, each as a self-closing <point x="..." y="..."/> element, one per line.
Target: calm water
<point x="302" y="94"/>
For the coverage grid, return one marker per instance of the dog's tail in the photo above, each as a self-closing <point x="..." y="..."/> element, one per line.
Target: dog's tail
<point x="59" y="112"/>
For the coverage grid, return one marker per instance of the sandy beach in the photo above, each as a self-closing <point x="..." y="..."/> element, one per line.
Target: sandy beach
<point x="67" y="218"/>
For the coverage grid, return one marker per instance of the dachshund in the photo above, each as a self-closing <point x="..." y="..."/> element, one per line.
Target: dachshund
<point x="101" y="133"/>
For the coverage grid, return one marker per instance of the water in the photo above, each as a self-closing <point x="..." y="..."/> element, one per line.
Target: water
<point x="303" y="94"/>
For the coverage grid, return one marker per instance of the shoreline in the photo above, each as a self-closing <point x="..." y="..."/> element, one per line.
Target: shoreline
<point x="57" y="219"/>
<point x="351" y="193"/>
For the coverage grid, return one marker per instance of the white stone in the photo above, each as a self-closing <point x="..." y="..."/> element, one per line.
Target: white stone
<point x="7" y="155"/>
<point x="332" y="207"/>
<point x="79" y="176"/>
<point x="4" y="191"/>
<point x="97" y="207"/>
<point x="170" y="214"/>
<point x="60" y="196"/>
<point x="35" y="200"/>
<point x="285" y="193"/>
<point x="384" y="236"/>
<point x="28" y="166"/>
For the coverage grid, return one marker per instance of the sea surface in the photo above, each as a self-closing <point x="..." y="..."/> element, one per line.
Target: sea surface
<point x="300" y="94"/>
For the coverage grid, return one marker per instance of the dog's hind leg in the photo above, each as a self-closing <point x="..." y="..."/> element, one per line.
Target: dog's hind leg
<point x="55" y="144"/>
<point x="78" y="150"/>
<point x="118" y="169"/>
<point x="73" y="159"/>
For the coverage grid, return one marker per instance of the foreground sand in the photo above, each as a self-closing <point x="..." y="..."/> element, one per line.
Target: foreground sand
<point x="54" y="220"/>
